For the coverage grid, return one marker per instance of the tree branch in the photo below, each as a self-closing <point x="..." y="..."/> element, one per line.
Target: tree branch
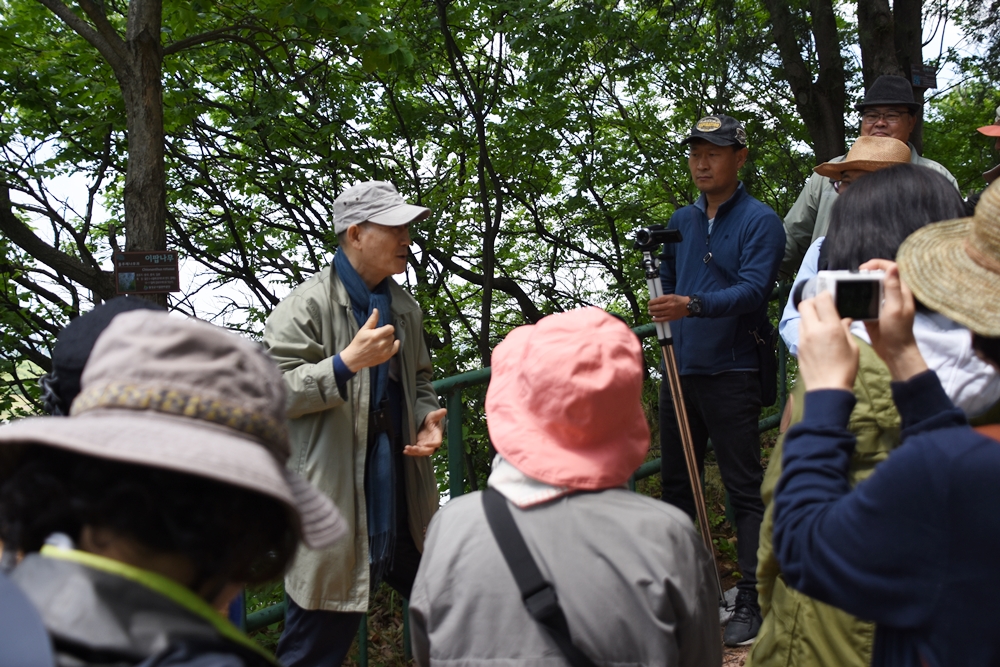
<point x="105" y="39"/>
<point x="21" y="235"/>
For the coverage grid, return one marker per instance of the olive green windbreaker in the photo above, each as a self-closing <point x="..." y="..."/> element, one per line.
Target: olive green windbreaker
<point x="798" y="630"/>
<point x="329" y="432"/>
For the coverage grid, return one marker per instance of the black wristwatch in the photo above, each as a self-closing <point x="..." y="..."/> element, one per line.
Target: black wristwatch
<point x="694" y="306"/>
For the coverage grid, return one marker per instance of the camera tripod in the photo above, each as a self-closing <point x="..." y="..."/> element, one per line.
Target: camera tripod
<point x="648" y="240"/>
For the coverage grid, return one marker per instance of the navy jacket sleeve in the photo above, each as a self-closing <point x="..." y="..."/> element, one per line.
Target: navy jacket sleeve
<point x="871" y="551"/>
<point x="761" y="248"/>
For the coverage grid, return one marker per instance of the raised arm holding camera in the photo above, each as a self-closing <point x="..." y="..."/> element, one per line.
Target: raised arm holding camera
<point x="905" y="548"/>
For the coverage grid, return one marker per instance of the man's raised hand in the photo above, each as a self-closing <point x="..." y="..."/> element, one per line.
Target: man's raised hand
<point x="371" y="346"/>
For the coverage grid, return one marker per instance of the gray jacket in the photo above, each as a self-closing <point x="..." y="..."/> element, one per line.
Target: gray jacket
<point x="329" y="432"/>
<point x="809" y="217"/>
<point x="103" y="613"/>
<point x="630" y="572"/>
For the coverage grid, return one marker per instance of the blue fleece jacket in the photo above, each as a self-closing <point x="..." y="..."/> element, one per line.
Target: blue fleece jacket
<point x="746" y="244"/>
<point x="913" y="548"/>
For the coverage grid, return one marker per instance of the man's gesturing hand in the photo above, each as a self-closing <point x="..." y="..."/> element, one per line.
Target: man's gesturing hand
<point x="429" y="436"/>
<point x="828" y="354"/>
<point x="371" y="346"/>
<point x="668" y="307"/>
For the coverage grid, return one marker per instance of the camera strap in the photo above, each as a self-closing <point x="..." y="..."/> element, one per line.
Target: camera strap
<point x="538" y="595"/>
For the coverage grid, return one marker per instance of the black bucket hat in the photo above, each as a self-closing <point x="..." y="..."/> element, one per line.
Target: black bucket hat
<point x="889" y="89"/>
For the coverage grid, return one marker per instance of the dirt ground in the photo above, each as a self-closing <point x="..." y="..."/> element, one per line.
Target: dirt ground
<point x="734" y="657"/>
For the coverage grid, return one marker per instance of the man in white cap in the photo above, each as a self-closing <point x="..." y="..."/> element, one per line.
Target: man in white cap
<point x="888" y="110"/>
<point x="364" y="437"/>
<point x="631" y="580"/>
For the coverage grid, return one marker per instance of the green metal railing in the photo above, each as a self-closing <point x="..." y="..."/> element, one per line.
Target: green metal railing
<point x="450" y="388"/>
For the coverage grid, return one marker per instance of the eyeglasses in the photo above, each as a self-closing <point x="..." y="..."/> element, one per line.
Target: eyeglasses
<point x="890" y="117"/>
<point x="839" y="186"/>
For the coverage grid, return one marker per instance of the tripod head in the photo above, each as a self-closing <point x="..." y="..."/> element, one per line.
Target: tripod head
<point x="649" y="239"/>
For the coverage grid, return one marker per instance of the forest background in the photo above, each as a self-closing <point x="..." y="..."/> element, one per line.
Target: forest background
<point x="540" y="134"/>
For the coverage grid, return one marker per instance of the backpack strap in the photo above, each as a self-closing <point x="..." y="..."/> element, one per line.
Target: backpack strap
<point x="538" y="595"/>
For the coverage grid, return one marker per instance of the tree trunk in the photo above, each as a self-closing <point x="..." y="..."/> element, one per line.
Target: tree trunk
<point x="820" y="103"/>
<point x="909" y="30"/>
<point x="875" y="34"/>
<point x="142" y="89"/>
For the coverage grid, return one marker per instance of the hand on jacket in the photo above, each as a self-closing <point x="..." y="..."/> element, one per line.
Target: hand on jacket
<point x="429" y="436"/>
<point x="892" y="335"/>
<point x="668" y="307"/>
<point x="371" y="346"/>
<point x="828" y="354"/>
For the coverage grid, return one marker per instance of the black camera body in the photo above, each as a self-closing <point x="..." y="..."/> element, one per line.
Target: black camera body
<point x="650" y="238"/>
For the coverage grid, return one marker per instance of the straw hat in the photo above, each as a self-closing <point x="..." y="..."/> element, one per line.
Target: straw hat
<point x="191" y="397"/>
<point x="564" y="405"/>
<point x="867" y="154"/>
<point x="994" y="129"/>
<point x="954" y="266"/>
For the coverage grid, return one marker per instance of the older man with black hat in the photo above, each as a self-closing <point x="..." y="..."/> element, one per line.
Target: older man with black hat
<point x="888" y="110"/>
<point x="362" y="436"/>
<point x="715" y="284"/>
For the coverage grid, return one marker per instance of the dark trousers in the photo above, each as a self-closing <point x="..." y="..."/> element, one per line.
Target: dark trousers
<point x="319" y="638"/>
<point x="725" y="408"/>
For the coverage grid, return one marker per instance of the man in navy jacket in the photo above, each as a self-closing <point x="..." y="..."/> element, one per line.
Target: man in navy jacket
<point x="715" y="284"/>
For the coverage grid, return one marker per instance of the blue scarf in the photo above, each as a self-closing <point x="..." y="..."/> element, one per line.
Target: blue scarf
<point x="380" y="469"/>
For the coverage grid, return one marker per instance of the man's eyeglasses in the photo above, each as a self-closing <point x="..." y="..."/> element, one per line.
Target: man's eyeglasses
<point x="890" y="117"/>
<point x="839" y="186"/>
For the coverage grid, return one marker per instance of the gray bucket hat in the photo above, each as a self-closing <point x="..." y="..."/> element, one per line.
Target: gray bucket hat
<point x="184" y="395"/>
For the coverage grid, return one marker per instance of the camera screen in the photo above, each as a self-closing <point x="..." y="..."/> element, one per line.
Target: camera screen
<point x="859" y="299"/>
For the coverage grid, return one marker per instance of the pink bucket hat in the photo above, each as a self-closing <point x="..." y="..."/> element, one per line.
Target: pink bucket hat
<point x="564" y="402"/>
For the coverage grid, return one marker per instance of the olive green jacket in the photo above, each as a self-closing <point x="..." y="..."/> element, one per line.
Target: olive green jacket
<point x="809" y="217"/>
<point x="329" y="432"/>
<point x="798" y="630"/>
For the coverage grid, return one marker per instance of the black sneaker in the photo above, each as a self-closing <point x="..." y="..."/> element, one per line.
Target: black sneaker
<point x="743" y="626"/>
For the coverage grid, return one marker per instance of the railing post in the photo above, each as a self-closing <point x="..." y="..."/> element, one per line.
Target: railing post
<point x="407" y="653"/>
<point x="456" y="448"/>
<point x="363" y="641"/>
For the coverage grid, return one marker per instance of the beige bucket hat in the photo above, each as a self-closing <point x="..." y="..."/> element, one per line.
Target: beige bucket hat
<point x="867" y="154"/>
<point x="953" y="267"/>
<point x="188" y="396"/>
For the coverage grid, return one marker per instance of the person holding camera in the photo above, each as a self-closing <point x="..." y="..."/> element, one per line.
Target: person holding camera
<point x="888" y="110"/>
<point x="868" y="154"/>
<point x="716" y="283"/>
<point x="870" y="220"/>
<point x="905" y="549"/>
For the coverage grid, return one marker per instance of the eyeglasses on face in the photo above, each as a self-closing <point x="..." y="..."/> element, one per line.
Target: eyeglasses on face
<point x="890" y="117"/>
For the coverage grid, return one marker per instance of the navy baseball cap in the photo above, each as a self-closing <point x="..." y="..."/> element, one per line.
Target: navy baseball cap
<point x="720" y="130"/>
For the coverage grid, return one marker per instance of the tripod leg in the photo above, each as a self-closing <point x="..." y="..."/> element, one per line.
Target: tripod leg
<point x="687" y="443"/>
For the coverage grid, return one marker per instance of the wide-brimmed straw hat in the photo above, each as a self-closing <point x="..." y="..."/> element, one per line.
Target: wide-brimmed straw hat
<point x="953" y="267"/>
<point x="867" y="154"/>
<point x="187" y="396"/>
<point x="564" y="405"/>
<point x="994" y="129"/>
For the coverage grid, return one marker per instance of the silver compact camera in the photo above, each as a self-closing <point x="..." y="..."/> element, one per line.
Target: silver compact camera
<point x="857" y="294"/>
